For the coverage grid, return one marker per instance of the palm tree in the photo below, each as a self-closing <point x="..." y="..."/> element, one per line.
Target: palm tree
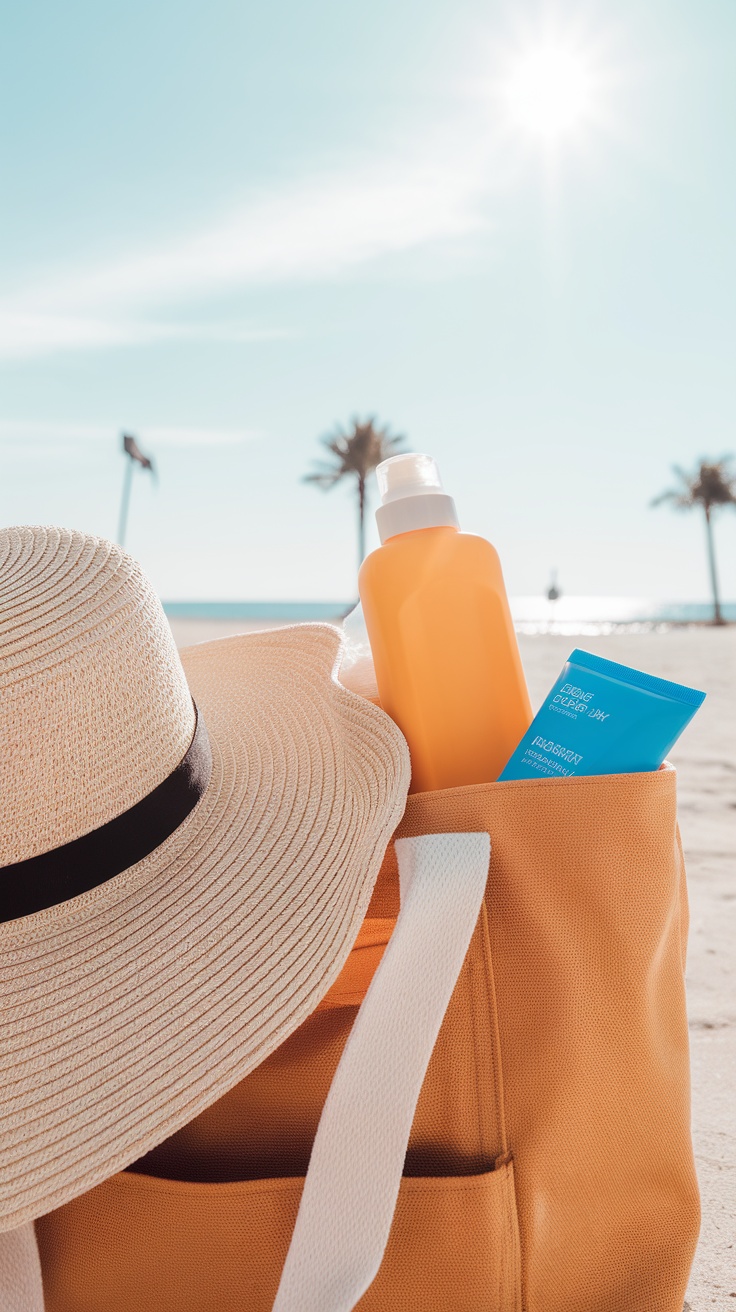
<point x="711" y="484"/>
<point x="356" y="454"/>
<point x="136" y="456"/>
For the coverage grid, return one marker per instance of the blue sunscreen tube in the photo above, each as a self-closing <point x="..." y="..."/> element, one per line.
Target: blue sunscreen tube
<point x="603" y="718"/>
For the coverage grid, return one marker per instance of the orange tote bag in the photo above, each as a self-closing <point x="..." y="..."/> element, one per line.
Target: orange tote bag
<point x="550" y="1165"/>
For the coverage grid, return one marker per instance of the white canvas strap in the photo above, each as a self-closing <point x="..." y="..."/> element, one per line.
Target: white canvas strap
<point x="354" y="1174"/>
<point x="20" y="1271"/>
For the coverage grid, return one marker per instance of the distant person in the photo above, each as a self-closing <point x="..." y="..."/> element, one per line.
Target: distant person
<point x="553" y="592"/>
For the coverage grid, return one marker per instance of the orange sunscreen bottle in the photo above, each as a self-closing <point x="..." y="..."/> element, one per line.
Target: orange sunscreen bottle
<point x="447" y="661"/>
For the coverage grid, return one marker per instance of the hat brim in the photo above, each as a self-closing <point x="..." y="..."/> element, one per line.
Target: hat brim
<point x="129" y="1009"/>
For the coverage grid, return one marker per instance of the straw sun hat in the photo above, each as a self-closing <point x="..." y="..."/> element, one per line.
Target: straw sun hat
<point x="186" y="855"/>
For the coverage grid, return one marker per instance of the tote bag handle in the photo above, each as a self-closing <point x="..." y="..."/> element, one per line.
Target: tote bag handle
<point x="21" y="1289"/>
<point x="352" y="1184"/>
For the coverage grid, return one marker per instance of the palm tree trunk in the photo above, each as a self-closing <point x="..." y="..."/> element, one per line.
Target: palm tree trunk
<point x="361" y="519"/>
<point x="124" y="504"/>
<point x="717" y="616"/>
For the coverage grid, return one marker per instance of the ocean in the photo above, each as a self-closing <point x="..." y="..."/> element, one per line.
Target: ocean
<point x="567" y="615"/>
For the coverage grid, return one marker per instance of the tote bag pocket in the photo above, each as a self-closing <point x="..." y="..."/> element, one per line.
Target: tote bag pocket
<point x="138" y="1242"/>
<point x="587" y="919"/>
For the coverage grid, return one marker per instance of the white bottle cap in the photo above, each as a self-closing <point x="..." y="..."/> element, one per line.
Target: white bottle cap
<point x="412" y="496"/>
<point x="406" y="476"/>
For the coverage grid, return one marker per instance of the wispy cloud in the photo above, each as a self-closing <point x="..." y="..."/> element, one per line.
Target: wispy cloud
<point x="183" y="436"/>
<point x="310" y="230"/>
<point x="28" y="436"/>
<point x="39" y="331"/>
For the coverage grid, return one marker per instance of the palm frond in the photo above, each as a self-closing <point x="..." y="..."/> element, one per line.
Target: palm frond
<point x="355" y="453"/>
<point x="712" y="483"/>
<point x="680" y="500"/>
<point x="322" y="474"/>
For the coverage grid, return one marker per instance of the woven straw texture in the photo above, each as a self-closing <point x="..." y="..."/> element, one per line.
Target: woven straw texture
<point x="128" y="1010"/>
<point x="85" y="664"/>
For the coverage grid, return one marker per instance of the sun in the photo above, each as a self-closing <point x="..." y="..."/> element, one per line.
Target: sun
<point x="549" y="90"/>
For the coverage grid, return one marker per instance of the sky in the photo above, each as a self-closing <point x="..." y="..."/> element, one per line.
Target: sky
<point x="229" y="228"/>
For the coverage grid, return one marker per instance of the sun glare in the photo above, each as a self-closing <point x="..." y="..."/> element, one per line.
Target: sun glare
<point x="549" y="91"/>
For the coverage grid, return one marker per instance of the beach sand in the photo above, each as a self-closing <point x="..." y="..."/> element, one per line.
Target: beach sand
<point x="706" y="762"/>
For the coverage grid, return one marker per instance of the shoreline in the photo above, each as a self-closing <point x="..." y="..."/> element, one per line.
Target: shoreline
<point x="191" y="629"/>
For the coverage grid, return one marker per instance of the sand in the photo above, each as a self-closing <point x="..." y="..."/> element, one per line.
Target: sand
<point x="706" y="763"/>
